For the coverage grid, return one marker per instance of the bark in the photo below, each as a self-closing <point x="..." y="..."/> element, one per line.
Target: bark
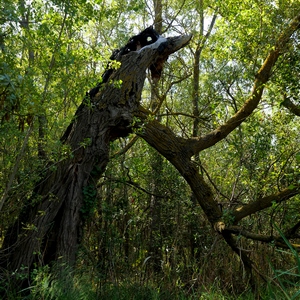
<point x="276" y="240"/>
<point x="49" y="225"/>
<point x="264" y="202"/>
<point x="176" y="151"/>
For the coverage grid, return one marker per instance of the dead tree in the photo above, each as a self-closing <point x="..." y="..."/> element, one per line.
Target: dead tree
<point x="49" y="225"/>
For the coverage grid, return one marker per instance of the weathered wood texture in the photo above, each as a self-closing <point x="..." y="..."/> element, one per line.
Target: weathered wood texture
<point x="50" y="228"/>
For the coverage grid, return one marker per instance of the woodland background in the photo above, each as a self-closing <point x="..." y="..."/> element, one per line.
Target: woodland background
<point x="144" y="235"/>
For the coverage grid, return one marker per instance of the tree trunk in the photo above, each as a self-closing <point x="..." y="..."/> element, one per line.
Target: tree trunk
<point x="49" y="225"/>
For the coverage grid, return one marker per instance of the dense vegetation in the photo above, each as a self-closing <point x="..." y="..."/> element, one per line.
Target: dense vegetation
<point x="157" y="225"/>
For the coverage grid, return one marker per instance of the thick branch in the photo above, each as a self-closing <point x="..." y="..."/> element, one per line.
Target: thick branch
<point x="263" y="203"/>
<point x="263" y="75"/>
<point x="174" y="149"/>
<point x="278" y="241"/>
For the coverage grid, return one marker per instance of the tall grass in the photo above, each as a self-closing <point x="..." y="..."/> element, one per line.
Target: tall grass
<point x="68" y="285"/>
<point x="63" y="283"/>
<point x="285" y="284"/>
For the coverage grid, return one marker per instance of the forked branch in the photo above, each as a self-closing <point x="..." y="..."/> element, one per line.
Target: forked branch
<point x="262" y="76"/>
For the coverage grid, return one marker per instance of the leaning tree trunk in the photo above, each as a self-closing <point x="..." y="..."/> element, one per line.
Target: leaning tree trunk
<point x="49" y="227"/>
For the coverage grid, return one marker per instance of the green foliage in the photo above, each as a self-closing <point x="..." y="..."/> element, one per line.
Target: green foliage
<point x="286" y="283"/>
<point x="51" y="53"/>
<point x="64" y="284"/>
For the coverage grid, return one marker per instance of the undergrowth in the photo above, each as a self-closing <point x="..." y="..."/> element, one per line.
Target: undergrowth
<point x="70" y="286"/>
<point x="63" y="283"/>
